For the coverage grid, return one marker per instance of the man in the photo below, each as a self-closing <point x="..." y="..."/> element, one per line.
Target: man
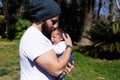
<point x="38" y="60"/>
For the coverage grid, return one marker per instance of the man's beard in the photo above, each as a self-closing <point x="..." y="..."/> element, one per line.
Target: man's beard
<point x="46" y="30"/>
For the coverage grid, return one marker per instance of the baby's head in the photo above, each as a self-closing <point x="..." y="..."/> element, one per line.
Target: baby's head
<point x="56" y="35"/>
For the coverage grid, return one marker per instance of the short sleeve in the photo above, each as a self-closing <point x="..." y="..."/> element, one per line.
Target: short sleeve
<point x="36" y="46"/>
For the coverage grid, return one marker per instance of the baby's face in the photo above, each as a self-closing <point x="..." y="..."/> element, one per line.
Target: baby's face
<point x="56" y="37"/>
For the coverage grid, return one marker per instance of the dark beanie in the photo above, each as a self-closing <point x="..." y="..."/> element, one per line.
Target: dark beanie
<point x="44" y="9"/>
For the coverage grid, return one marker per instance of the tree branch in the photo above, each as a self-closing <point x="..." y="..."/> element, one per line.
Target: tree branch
<point x="117" y="4"/>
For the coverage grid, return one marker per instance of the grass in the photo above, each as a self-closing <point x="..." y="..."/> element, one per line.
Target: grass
<point x="9" y="60"/>
<point x="86" y="68"/>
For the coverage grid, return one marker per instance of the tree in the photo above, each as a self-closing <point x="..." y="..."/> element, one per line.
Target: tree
<point x="111" y="10"/>
<point x="13" y="9"/>
<point x="88" y="20"/>
<point x="99" y="8"/>
<point x="5" y="11"/>
<point x="118" y="6"/>
<point x="116" y="16"/>
<point x="70" y="18"/>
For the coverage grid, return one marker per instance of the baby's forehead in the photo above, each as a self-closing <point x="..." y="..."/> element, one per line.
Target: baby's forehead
<point x="56" y="32"/>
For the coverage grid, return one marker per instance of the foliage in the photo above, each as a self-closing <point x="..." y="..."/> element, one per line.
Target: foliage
<point x="2" y="18"/>
<point x="105" y="39"/>
<point x="12" y="9"/>
<point x="20" y="27"/>
<point x="69" y="21"/>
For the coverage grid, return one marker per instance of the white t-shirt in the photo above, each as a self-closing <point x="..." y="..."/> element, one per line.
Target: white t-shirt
<point x="33" y="44"/>
<point x="60" y="47"/>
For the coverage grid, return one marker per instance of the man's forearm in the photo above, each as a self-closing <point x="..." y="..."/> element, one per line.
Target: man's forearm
<point x="64" y="59"/>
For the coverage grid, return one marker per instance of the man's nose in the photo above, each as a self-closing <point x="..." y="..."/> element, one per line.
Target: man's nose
<point x="55" y="25"/>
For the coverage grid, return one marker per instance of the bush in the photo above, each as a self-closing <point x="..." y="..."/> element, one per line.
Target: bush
<point x="2" y="18"/>
<point x="20" y="27"/>
<point x="105" y="41"/>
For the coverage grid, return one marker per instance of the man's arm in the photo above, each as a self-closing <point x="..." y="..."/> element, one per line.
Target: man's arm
<point x="49" y="61"/>
<point x="52" y="64"/>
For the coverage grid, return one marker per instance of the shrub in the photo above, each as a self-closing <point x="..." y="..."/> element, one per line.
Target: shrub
<point x="2" y="18"/>
<point x="20" y="27"/>
<point x="105" y="41"/>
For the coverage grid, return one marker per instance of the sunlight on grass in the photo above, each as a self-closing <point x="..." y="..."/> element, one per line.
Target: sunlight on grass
<point x="86" y="68"/>
<point x="9" y="61"/>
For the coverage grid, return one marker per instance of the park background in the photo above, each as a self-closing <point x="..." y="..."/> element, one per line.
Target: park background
<point x="94" y="26"/>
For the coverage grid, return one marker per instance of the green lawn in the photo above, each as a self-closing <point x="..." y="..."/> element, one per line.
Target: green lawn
<point x="86" y="68"/>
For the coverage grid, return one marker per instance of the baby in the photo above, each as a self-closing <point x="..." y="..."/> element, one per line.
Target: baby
<point x="59" y="46"/>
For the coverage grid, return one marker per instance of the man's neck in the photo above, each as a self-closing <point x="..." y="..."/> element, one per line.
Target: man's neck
<point x="38" y="26"/>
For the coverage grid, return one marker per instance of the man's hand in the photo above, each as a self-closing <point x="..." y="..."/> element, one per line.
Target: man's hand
<point x="67" y="39"/>
<point x="69" y="68"/>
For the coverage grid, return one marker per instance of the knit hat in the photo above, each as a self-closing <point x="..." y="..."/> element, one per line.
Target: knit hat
<point x="44" y="9"/>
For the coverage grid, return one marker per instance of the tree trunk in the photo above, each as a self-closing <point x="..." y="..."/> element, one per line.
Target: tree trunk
<point x="111" y="10"/>
<point x="99" y="8"/>
<point x="118" y="6"/>
<point x="89" y="8"/>
<point x="5" y="11"/>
